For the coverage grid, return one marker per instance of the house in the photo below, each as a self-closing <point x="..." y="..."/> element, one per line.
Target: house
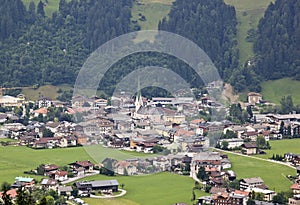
<point x="295" y="200"/>
<point x="50" y="168"/>
<point x="12" y="193"/>
<point x="41" y="111"/>
<point x="44" y="102"/>
<point x="59" y="175"/>
<point x="254" y="98"/>
<point x="295" y="188"/>
<point x="249" y="148"/>
<point x="125" y="168"/>
<point x="104" y="185"/>
<point x="49" y="183"/>
<point x="232" y="143"/>
<point x="10" y="101"/>
<point x="250" y="183"/>
<point x="230" y="175"/>
<point x="23" y="181"/>
<point x="64" y="190"/>
<point x="268" y="194"/>
<point x="87" y="165"/>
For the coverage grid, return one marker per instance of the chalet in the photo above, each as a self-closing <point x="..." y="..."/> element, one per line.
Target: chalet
<point x="64" y="190"/>
<point x="98" y="185"/>
<point x="267" y="194"/>
<point x="49" y="184"/>
<point x="232" y="143"/>
<point x="125" y="168"/>
<point x="50" y="168"/>
<point x="249" y="148"/>
<point x="87" y="165"/>
<point x="12" y="193"/>
<point x="23" y="181"/>
<point x="295" y="188"/>
<point x="41" y="111"/>
<point x="10" y="101"/>
<point x="295" y="200"/>
<point x="207" y="159"/>
<point x="44" y="102"/>
<point x="254" y="98"/>
<point x="59" y="175"/>
<point x="249" y="183"/>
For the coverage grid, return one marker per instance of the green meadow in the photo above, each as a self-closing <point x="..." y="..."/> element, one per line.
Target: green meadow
<point x="248" y="13"/>
<point x="275" y="90"/>
<point x="274" y="175"/>
<point x="161" y="188"/>
<point x="15" y="160"/>
<point x="51" y="7"/>
<point x="282" y="146"/>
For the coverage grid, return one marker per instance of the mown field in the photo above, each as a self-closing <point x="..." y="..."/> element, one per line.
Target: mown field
<point x="15" y="160"/>
<point x="282" y="146"/>
<point x="153" y="10"/>
<point x="45" y="90"/>
<point x="49" y="9"/>
<point x="162" y="188"/>
<point x="274" y="90"/>
<point x="248" y="14"/>
<point x="274" y="175"/>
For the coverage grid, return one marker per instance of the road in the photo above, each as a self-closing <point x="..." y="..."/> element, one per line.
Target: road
<point x="76" y="178"/>
<point x="253" y="157"/>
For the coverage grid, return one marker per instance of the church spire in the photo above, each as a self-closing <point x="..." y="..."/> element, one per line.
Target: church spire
<point x="138" y="98"/>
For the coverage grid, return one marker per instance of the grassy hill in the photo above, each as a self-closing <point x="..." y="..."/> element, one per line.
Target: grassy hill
<point x="45" y="90"/>
<point x="274" y="90"/>
<point x="248" y="14"/>
<point x="153" y="10"/>
<point x="49" y="9"/>
<point x="282" y="146"/>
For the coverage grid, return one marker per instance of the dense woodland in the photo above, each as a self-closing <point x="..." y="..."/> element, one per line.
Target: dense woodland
<point x="37" y="49"/>
<point x="277" y="45"/>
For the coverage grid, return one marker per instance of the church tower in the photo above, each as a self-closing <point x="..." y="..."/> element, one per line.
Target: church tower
<point x="138" y="99"/>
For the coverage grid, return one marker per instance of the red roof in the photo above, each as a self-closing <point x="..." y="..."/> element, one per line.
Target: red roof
<point x="84" y="163"/>
<point x="295" y="186"/>
<point x="61" y="173"/>
<point x="42" y="110"/>
<point x="12" y="193"/>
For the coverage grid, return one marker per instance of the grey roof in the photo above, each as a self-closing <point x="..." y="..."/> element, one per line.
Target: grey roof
<point x="101" y="183"/>
<point x="65" y="189"/>
<point x="207" y="156"/>
<point x="253" y="180"/>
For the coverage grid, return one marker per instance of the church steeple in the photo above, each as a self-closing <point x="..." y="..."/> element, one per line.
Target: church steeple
<point x="138" y="99"/>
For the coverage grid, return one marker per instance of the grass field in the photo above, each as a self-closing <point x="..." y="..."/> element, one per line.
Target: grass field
<point x="45" y="90"/>
<point x="282" y="146"/>
<point x="248" y="14"/>
<point x="162" y="188"/>
<point x="274" y="175"/>
<point x="153" y="10"/>
<point x="49" y="9"/>
<point x="17" y="159"/>
<point x="274" y="90"/>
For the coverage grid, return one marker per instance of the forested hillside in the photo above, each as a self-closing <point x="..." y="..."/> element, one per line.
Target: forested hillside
<point x="210" y="24"/>
<point x="36" y="49"/>
<point x="277" y="45"/>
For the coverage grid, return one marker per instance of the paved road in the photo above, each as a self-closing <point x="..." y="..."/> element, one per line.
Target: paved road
<point x="77" y="178"/>
<point x="253" y="157"/>
<point x="123" y="192"/>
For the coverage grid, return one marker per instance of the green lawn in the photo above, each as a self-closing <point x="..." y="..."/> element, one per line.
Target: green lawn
<point x="45" y="90"/>
<point x="162" y="188"/>
<point x="274" y="90"/>
<point x="17" y="159"/>
<point x="49" y="9"/>
<point x="153" y="10"/>
<point x="274" y="175"/>
<point x="282" y="146"/>
<point x="248" y="14"/>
